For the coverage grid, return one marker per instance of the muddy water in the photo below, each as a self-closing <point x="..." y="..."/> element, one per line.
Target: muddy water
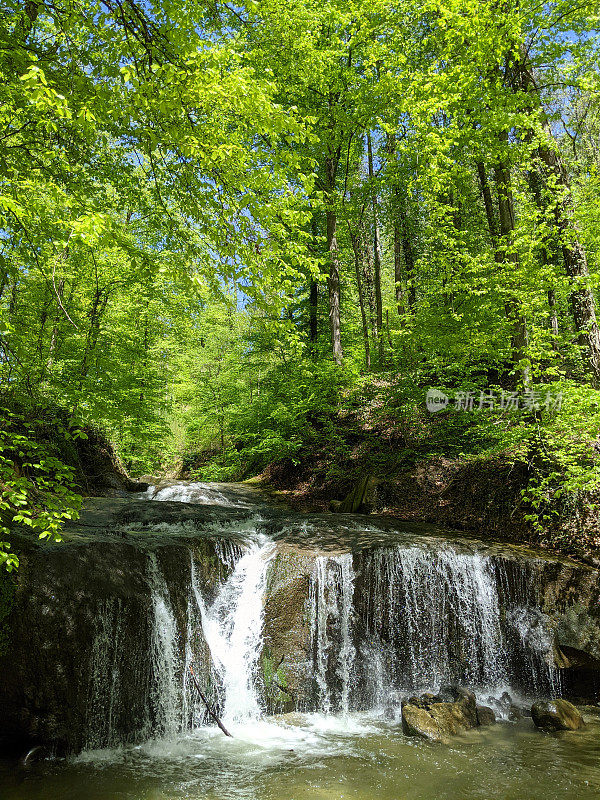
<point x="327" y="758"/>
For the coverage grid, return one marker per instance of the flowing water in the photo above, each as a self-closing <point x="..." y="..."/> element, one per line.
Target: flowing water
<point x="382" y="623"/>
<point x="327" y="758"/>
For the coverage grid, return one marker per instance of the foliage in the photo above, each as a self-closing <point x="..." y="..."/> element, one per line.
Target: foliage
<point x="222" y="229"/>
<point x="37" y="490"/>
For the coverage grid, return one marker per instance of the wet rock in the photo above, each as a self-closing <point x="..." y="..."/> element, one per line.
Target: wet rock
<point x="556" y="715"/>
<point x="286" y="628"/>
<point x="425" y="700"/>
<point x="464" y="702"/>
<point x="485" y="715"/>
<point x="431" y="717"/>
<point x="514" y="713"/>
<point x="505" y="700"/>
<point x="419" y="722"/>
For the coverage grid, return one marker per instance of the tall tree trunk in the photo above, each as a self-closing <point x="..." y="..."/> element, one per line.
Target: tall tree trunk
<point x="583" y="303"/>
<point x="398" y="260"/>
<point x="509" y="256"/>
<point x="398" y="271"/>
<point x="488" y="203"/>
<point x="408" y="253"/>
<point x="333" y="281"/>
<point x="536" y="180"/>
<point x="376" y="245"/>
<point x="313" y="301"/>
<point x="313" y="305"/>
<point x="553" y="320"/>
<point x="96" y="312"/>
<point x="368" y="281"/>
<point x="356" y="246"/>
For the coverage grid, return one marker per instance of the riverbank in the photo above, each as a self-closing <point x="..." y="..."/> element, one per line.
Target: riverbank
<point x="450" y="472"/>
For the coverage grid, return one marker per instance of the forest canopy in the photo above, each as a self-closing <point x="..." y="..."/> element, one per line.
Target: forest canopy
<point x="223" y="225"/>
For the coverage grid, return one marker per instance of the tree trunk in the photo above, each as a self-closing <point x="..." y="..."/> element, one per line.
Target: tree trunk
<point x="313" y="300"/>
<point x="486" y="194"/>
<point x="367" y="277"/>
<point x="408" y="254"/>
<point x="333" y="282"/>
<point x="313" y="305"/>
<point x="376" y="245"/>
<point x="507" y="255"/>
<point x="356" y="246"/>
<point x="583" y="303"/>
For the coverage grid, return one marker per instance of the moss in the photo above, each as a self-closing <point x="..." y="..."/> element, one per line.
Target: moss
<point x="274" y="678"/>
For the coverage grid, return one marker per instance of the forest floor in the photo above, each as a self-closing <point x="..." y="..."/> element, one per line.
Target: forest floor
<point x="417" y="479"/>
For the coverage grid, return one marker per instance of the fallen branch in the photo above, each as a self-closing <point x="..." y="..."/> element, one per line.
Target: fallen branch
<point x="208" y="706"/>
<point x="283" y="689"/>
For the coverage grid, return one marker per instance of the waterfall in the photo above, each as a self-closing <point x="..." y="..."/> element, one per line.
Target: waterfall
<point x="438" y="615"/>
<point x="195" y="492"/>
<point x="379" y="623"/>
<point x="415" y="619"/>
<point x="166" y="667"/>
<point x="232" y="626"/>
<point x="104" y="688"/>
<point x="332" y="590"/>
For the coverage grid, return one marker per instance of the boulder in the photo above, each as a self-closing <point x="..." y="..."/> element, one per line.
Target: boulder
<point x="433" y="718"/>
<point x="419" y="722"/>
<point x="514" y="713"/>
<point x="485" y="715"/>
<point x="556" y="715"/>
<point x="425" y="700"/>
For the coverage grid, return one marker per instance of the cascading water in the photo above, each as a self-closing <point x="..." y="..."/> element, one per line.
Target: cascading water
<point x="197" y="492"/>
<point x="232" y="627"/>
<point x="104" y="675"/>
<point x="373" y="624"/>
<point x="420" y="619"/>
<point x="167" y="694"/>
<point x="332" y="591"/>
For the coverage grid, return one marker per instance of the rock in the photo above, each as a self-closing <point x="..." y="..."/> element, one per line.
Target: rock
<point x="419" y="722"/>
<point x="286" y="627"/>
<point x="556" y="715"/>
<point x="485" y="716"/>
<point x="465" y="702"/>
<point x="424" y="701"/>
<point x="435" y="719"/>
<point x="454" y="718"/>
<point x="514" y="713"/>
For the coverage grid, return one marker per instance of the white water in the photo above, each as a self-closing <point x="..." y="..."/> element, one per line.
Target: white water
<point x="105" y="676"/>
<point x="166" y="669"/>
<point x="332" y="590"/>
<point x="194" y="492"/>
<point x="232" y="627"/>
